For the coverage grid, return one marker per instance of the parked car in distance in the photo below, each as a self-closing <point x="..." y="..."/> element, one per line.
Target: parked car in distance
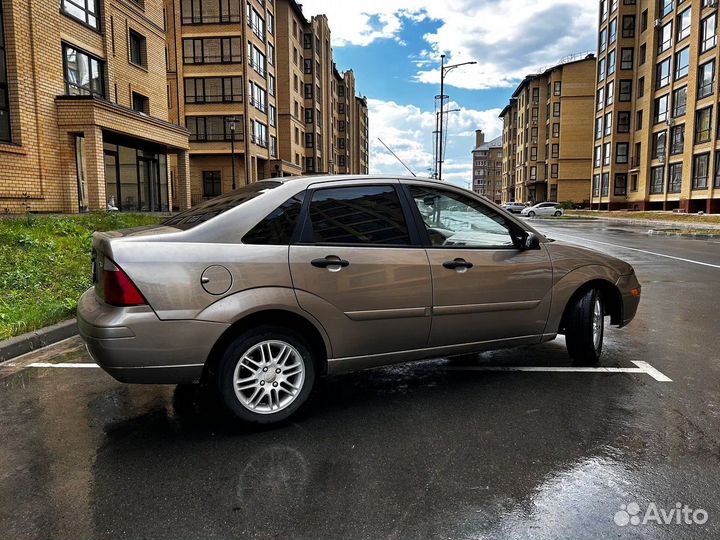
<point x="543" y="209"/>
<point x="514" y="207"/>
<point x="262" y="290"/>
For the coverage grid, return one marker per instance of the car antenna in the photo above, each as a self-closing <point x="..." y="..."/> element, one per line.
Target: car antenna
<point x="396" y="157"/>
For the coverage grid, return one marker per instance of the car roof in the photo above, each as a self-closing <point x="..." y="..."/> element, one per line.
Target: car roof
<point x="324" y="178"/>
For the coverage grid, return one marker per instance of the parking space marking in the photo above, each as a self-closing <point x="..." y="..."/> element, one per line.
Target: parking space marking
<point x="643" y="251"/>
<point x="642" y="367"/>
<point x="63" y="365"/>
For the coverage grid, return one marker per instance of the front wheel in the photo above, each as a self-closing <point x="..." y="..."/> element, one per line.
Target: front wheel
<point x="558" y="213"/>
<point x="531" y="214"/>
<point x="585" y="327"/>
<point x="266" y="375"/>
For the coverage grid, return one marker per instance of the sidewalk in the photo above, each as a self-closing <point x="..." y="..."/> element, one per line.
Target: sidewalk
<point x="656" y="220"/>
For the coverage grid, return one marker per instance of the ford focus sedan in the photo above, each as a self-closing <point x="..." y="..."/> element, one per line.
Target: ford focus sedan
<point x="263" y="290"/>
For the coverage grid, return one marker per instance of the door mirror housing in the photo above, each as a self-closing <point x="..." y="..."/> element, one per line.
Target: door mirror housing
<point x="531" y="242"/>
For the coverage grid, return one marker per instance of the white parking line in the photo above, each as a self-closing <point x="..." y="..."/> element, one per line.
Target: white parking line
<point x="642" y="367"/>
<point x="643" y="251"/>
<point x="63" y="365"/>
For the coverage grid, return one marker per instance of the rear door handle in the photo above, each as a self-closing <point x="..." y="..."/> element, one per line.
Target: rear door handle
<point x="457" y="263"/>
<point x="330" y="260"/>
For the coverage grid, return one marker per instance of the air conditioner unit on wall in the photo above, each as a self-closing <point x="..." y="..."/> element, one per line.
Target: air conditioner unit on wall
<point x="658" y="23"/>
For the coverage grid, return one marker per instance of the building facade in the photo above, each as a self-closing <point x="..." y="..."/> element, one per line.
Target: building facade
<point x="656" y="146"/>
<point x="487" y="167"/>
<point x="255" y="84"/>
<point x="84" y="109"/>
<point x="547" y="139"/>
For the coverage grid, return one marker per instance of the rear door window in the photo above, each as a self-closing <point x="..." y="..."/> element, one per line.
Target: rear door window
<point x="278" y="227"/>
<point x="370" y="215"/>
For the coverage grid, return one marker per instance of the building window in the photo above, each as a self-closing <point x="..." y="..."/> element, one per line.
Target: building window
<point x="138" y="49"/>
<point x="608" y="123"/>
<point x="596" y="185"/>
<point x="258" y="96"/>
<point x="556" y="130"/>
<point x="621" y="152"/>
<point x="677" y="139"/>
<point x="703" y="125"/>
<point x="623" y="122"/>
<point x="634" y="182"/>
<point x="256" y="59"/>
<point x="638" y="119"/>
<point x="612" y="32"/>
<point x="628" y="26"/>
<point x="307" y="66"/>
<point x="85" y="11"/>
<point x="644" y="20"/>
<point x="708" y="37"/>
<point x="605" y="186"/>
<point x="657" y="183"/>
<point x="272" y="115"/>
<point x="682" y="63"/>
<point x="620" y="188"/>
<point x="665" y="37"/>
<point x="309" y="164"/>
<point x="5" y="131"/>
<point x="140" y="103"/>
<point x="611" y="60"/>
<point x="602" y="42"/>
<point x="309" y="116"/>
<point x="625" y="90"/>
<point x="210" y="11"/>
<point x="212" y="50"/>
<point x="555" y="150"/>
<point x="260" y="134"/>
<point x="607" y="151"/>
<point x="627" y="58"/>
<point x="679" y="102"/>
<point x="83" y="73"/>
<point x="212" y="183"/>
<point x="273" y="146"/>
<point x="661" y="109"/>
<point x="658" y="144"/>
<point x="662" y="73"/>
<point x="214" y="128"/>
<point x="308" y="91"/>
<point x="706" y="79"/>
<point x="557" y="88"/>
<point x="256" y="22"/>
<point x="716" y="182"/>
<point x="641" y="87"/>
<point x="600" y="98"/>
<point x="601" y="69"/>
<point x="675" y="177"/>
<point x="271" y="85"/>
<point x="683" y="24"/>
<point x="666" y="7"/>
<point x="701" y="169"/>
<point x="556" y="110"/>
<point x="554" y="170"/>
<point x="598" y="128"/>
<point x="213" y="90"/>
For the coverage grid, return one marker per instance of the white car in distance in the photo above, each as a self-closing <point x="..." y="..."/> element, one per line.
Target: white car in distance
<point x="543" y="209"/>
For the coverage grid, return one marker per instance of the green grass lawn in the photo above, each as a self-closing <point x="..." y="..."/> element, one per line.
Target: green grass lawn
<point x="650" y="216"/>
<point x="45" y="265"/>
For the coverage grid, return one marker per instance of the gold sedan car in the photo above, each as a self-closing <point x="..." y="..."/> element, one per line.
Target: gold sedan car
<point x="264" y="289"/>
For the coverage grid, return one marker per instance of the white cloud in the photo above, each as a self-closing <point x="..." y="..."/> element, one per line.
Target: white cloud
<point x="508" y="38"/>
<point x="407" y="130"/>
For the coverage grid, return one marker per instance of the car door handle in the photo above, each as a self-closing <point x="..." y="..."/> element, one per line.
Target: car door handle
<point x="330" y="261"/>
<point x="457" y="263"/>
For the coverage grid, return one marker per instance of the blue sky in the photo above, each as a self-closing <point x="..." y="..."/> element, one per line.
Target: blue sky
<point x="393" y="46"/>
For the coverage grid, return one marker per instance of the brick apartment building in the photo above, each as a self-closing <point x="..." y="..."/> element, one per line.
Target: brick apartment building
<point x="487" y="167"/>
<point x="547" y="136"/>
<point x="656" y="146"/>
<point x="133" y="104"/>
<point x="84" y="110"/>
<point x="256" y="86"/>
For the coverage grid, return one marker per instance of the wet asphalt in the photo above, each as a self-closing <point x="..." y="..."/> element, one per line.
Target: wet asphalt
<point x="425" y="450"/>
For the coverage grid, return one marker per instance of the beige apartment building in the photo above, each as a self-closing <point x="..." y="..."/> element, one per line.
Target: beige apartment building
<point x="255" y="84"/>
<point x="84" y="109"/>
<point x="547" y="138"/>
<point x="656" y="144"/>
<point x="487" y="167"/>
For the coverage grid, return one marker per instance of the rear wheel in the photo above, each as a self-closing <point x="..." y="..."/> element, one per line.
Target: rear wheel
<point x="531" y="214"/>
<point x="585" y="327"/>
<point x="266" y="375"/>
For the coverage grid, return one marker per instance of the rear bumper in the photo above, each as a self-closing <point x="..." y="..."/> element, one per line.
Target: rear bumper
<point x="134" y="346"/>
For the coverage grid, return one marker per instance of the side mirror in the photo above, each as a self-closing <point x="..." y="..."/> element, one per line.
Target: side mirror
<point x="531" y="242"/>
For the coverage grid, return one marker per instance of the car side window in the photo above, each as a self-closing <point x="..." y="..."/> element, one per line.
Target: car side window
<point x="277" y="228"/>
<point x="356" y="215"/>
<point x="453" y="220"/>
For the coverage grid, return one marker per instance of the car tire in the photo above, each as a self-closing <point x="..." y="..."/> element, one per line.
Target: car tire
<point x="266" y="375"/>
<point x="531" y="214"/>
<point x="585" y="328"/>
<point x="558" y="213"/>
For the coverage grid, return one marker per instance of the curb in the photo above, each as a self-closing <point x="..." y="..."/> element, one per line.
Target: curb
<point x="31" y="341"/>
<point x="694" y="236"/>
<point x="655" y="222"/>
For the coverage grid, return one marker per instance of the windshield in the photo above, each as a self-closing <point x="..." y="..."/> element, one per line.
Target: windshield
<point x="214" y="207"/>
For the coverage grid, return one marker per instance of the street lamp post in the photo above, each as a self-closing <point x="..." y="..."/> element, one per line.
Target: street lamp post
<point x="443" y="70"/>
<point x="232" y="120"/>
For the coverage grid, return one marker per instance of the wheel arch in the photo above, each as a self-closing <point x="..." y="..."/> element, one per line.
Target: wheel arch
<point x="612" y="300"/>
<point x="276" y="317"/>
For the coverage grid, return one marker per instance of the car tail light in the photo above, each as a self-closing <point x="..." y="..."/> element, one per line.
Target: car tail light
<point x="118" y="288"/>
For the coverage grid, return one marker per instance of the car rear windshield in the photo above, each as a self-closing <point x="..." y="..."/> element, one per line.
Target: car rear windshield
<point x="216" y="206"/>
